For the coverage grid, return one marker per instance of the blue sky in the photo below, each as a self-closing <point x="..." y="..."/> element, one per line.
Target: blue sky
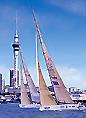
<point x="63" y="27"/>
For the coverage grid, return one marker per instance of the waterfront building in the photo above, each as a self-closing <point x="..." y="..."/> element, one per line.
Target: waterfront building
<point x="74" y="90"/>
<point x="3" y="84"/>
<point x="12" y="78"/>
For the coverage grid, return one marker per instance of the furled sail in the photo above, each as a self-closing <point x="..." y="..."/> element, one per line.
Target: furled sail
<point x="25" y="100"/>
<point x="61" y="93"/>
<point x="33" y="91"/>
<point x="46" y="98"/>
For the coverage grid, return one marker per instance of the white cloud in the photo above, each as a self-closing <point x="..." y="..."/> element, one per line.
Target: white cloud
<point x="73" y="77"/>
<point x="75" y="6"/>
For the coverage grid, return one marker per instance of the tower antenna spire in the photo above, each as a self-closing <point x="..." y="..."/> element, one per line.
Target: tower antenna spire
<point x="15" y="46"/>
<point x="16" y="23"/>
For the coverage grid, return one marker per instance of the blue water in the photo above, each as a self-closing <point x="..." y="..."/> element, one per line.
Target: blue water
<point x="13" y="111"/>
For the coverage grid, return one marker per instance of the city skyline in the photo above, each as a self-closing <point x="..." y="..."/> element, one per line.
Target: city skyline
<point x="63" y="28"/>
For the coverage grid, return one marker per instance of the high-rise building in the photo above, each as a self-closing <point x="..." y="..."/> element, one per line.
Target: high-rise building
<point x="3" y="84"/>
<point x="0" y="82"/>
<point x="15" y="46"/>
<point x="12" y="79"/>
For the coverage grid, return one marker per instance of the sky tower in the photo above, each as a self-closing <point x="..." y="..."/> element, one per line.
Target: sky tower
<point x="15" y="46"/>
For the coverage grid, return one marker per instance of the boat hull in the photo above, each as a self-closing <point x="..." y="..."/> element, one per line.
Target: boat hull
<point x="63" y="107"/>
<point x="29" y="106"/>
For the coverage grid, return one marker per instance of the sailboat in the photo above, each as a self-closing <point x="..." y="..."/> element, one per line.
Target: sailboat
<point x="46" y="99"/>
<point x="32" y="88"/>
<point x="62" y="96"/>
<point x="26" y="101"/>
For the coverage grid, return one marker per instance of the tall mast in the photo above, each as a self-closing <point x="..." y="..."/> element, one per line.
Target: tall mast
<point x="61" y="93"/>
<point x="37" y="56"/>
<point x="33" y="91"/>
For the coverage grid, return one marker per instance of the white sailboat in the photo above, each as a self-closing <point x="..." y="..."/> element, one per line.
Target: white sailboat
<point x="26" y="101"/>
<point x="46" y="99"/>
<point x="63" y="98"/>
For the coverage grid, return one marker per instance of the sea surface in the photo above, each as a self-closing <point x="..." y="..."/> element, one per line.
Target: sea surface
<point x="13" y="111"/>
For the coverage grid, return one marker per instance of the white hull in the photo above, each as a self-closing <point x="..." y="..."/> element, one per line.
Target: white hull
<point x="29" y="106"/>
<point x="63" y="107"/>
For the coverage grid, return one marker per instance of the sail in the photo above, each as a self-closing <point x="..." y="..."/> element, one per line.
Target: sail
<point x="61" y="93"/>
<point x="25" y="100"/>
<point x="33" y="91"/>
<point x="46" y="98"/>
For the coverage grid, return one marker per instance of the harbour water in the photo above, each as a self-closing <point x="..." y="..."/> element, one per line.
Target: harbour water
<point x="13" y="111"/>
